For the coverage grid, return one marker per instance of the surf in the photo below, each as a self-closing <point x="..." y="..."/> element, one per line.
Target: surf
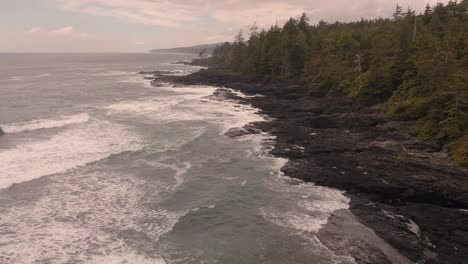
<point x="45" y="123"/>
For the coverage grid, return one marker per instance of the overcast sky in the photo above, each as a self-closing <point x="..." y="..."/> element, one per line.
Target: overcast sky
<point x="141" y="25"/>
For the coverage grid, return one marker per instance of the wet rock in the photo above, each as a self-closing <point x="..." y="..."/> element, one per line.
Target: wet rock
<point x="223" y="94"/>
<point x="1" y="132"/>
<point x="236" y="132"/>
<point x="156" y="73"/>
<point x="242" y="131"/>
<point x="181" y="62"/>
<point x="391" y="146"/>
<point x="158" y="83"/>
<point x="414" y="202"/>
<point x="441" y="154"/>
<point x="400" y="231"/>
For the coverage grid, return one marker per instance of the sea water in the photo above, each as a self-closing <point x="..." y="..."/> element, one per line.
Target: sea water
<point x="98" y="166"/>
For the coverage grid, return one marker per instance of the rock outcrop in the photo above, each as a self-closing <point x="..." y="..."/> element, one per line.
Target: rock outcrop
<point x="242" y="131"/>
<point x="398" y="184"/>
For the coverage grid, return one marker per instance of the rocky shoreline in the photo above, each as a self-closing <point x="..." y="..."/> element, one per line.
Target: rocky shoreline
<point x="400" y="186"/>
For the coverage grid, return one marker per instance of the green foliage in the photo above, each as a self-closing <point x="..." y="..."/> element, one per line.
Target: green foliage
<point x="416" y="64"/>
<point x="460" y="152"/>
<point x="449" y="129"/>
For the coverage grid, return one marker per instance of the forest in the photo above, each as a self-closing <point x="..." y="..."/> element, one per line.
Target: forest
<point x="413" y="65"/>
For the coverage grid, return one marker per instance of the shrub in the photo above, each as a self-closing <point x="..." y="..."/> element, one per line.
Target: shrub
<point x="460" y="151"/>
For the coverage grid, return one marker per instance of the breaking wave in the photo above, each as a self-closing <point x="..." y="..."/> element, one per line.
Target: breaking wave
<point x="45" y="123"/>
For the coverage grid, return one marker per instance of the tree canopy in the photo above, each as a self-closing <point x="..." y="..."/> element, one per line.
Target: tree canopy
<point x="416" y="65"/>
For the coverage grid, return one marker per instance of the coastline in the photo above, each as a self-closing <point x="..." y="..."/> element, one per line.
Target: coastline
<point x="399" y="185"/>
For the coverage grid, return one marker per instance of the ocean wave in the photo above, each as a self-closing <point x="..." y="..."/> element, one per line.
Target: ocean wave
<point x="22" y="78"/>
<point x="16" y="78"/>
<point x="313" y="204"/>
<point x="114" y="73"/>
<point x="180" y="169"/>
<point x="190" y="103"/>
<point x="138" y="79"/>
<point x="128" y="258"/>
<point x="71" y="221"/>
<point x="45" y="123"/>
<point x="242" y="95"/>
<point x="177" y="73"/>
<point x="309" y="207"/>
<point x="42" y="75"/>
<point x="227" y="113"/>
<point x="145" y="107"/>
<point x="67" y="150"/>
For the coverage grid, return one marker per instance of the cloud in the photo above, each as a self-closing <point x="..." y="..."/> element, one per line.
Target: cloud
<point x="192" y="13"/>
<point x="168" y="23"/>
<point x="61" y="39"/>
<point x="63" y="32"/>
<point x="158" y="13"/>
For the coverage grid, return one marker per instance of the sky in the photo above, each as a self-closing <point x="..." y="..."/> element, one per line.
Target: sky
<point x="141" y="25"/>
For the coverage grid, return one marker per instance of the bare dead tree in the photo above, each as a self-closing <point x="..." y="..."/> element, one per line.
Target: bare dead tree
<point x="359" y="69"/>
<point x="358" y="60"/>
<point x="202" y="54"/>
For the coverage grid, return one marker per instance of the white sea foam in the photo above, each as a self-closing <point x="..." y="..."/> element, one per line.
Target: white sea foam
<point x="309" y="210"/>
<point x="314" y="204"/>
<point x="186" y="105"/>
<point x="314" y="207"/>
<point x="45" y="123"/>
<point x="114" y="73"/>
<point x="85" y="217"/>
<point x="180" y="169"/>
<point x="195" y="90"/>
<point x="22" y="78"/>
<point x="128" y="258"/>
<point x="227" y="113"/>
<point x="138" y="79"/>
<point x="42" y="75"/>
<point x="242" y="95"/>
<point x="64" y="151"/>
<point x="177" y="73"/>
<point x="303" y="208"/>
<point x="16" y="79"/>
<point x="155" y="109"/>
<point x="164" y="109"/>
<point x="309" y="207"/>
<point x="198" y="67"/>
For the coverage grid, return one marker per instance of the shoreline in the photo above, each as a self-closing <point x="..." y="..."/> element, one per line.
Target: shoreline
<point x="398" y="184"/>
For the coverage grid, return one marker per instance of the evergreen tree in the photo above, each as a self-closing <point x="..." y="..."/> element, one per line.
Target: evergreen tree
<point x="416" y="64"/>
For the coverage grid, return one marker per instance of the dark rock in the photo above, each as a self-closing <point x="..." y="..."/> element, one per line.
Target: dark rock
<point x="156" y="73"/>
<point x="158" y="83"/>
<point x="236" y="132"/>
<point x="1" y="132"/>
<point x="242" y="131"/>
<point x="388" y="145"/>
<point x="222" y="94"/>
<point x="181" y="62"/>
<point x="396" y="182"/>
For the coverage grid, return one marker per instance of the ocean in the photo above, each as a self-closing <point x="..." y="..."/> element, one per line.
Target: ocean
<point x="98" y="166"/>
